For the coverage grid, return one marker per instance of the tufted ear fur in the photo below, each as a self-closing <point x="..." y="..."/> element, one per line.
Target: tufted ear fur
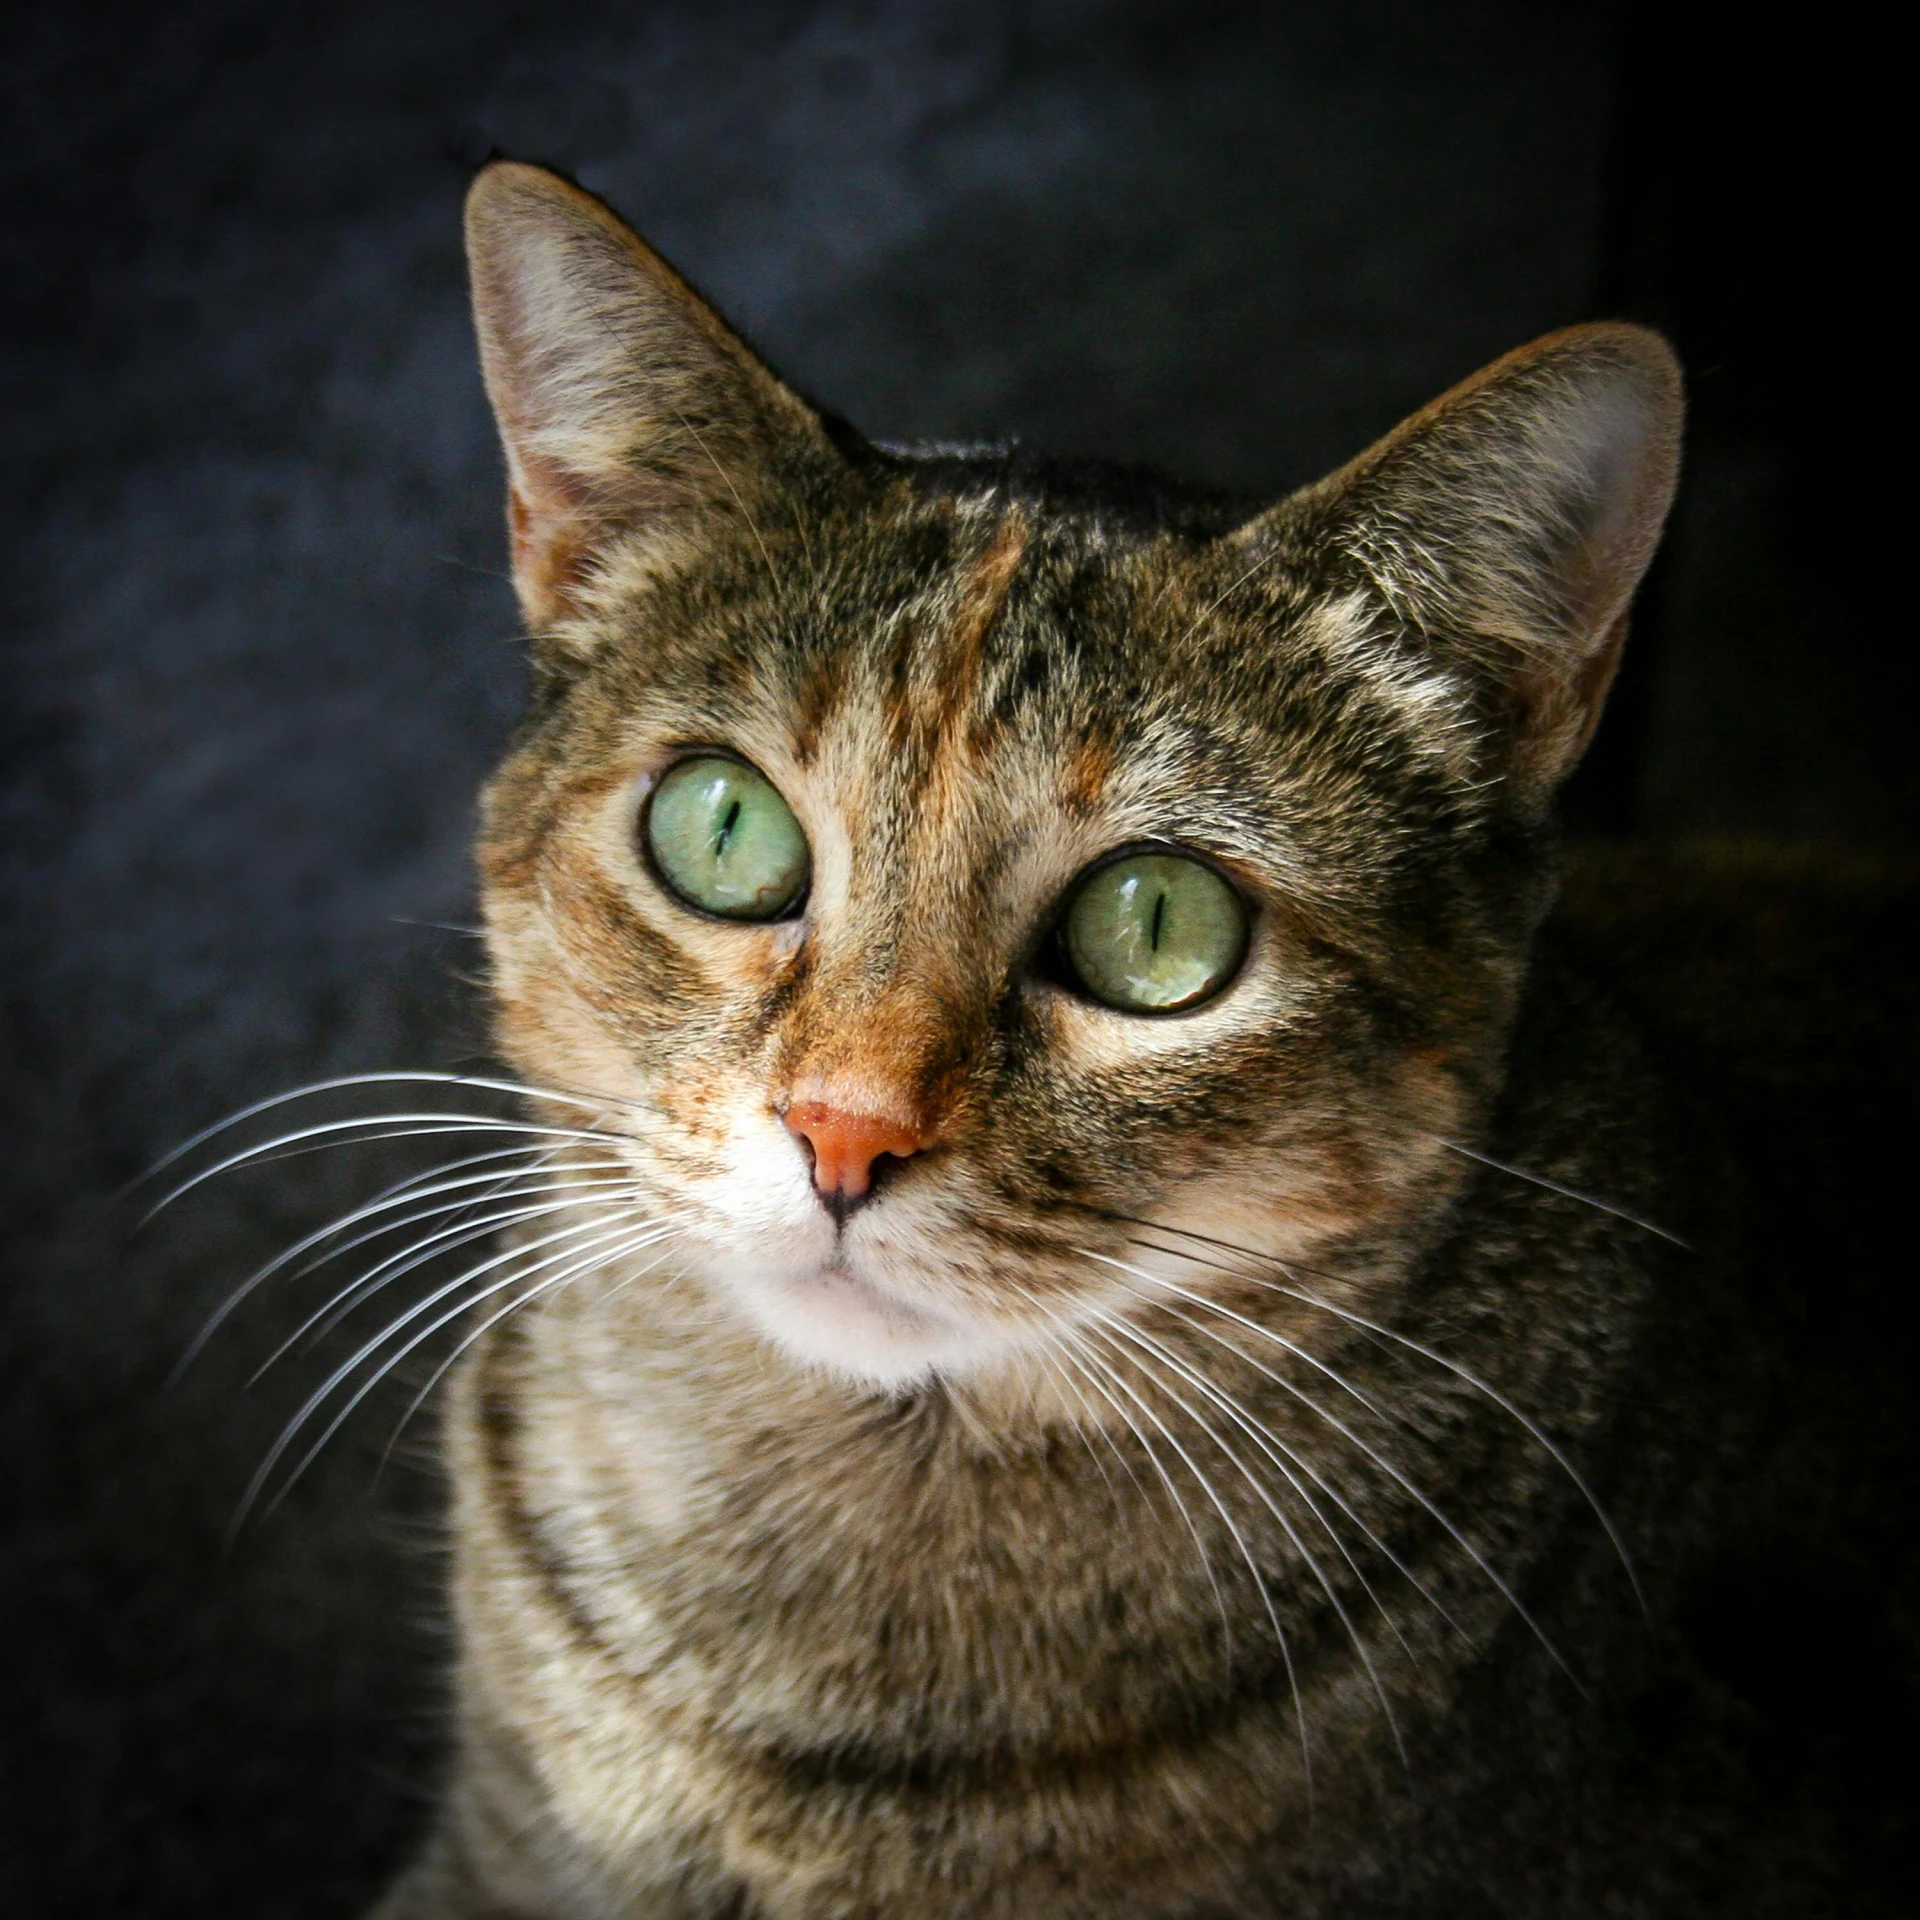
<point x="1506" y="526"/>
<point x="627" y="407"/>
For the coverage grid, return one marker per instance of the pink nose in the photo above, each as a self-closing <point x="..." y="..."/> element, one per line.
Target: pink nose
<point x="845" y="1146"/>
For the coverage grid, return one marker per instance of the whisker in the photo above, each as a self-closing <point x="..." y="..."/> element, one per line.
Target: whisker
<point x="486" y="1326"/>
<point x="1093" y="1368"/>
<point x="1239" y="1540"/>
<point x="714" y="460"/>
<point x="418" y="1253"/>
<point x="1064" y="1332"/>
<point x="1056" y="1366"/>
<point x="1379" y="1411"/>
<point x="599" y="1104"/>
<point x="366" y="1128"/>
<point x="1386" y="1466"/>
<point x="1373" y="1539"/>
<point x="1464" y="1374"/>
<point x="436" y="926"/>
<point x="1565" y="1192"/>
<point x="534" y="1165"/>
<point x="727" y="479"/>
<point x="393" y="1360"/>
<point x="528" y="1183"/>
<point x="1267" y="1440"/>
<point x="1166" y="1358"/>
<point x="402" y="1193"/>
<point x="581" y="1231"/>
<point x="1507" y="1407"/>
<point x="1220" y="599"/>
<point x="1306" y="1400"/>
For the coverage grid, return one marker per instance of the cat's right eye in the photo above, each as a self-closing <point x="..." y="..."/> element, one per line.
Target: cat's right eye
<point x="724" y="842"/>
<point x="1154" y="932"/>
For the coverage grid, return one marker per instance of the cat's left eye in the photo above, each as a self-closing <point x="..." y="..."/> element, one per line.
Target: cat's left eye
<point x="724" y="841"/>
<point x="1154" y="932"/>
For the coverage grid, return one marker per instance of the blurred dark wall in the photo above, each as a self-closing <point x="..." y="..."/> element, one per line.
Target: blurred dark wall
<point x="259" y="651"/>
<point x="1755" y="200"/>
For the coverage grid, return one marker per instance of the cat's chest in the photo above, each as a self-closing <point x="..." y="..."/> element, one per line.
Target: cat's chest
<point x="806" y="1568"/>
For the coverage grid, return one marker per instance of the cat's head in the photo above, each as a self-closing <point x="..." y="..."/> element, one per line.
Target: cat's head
<point x="949" y="862"/>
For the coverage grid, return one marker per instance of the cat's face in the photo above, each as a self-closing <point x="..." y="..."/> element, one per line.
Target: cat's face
<point x="1116" y="868"/>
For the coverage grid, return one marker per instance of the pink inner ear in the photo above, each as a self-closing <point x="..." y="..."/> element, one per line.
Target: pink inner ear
<point x="551" y="528"/>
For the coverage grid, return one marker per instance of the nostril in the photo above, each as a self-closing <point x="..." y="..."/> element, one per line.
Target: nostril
<point x="843" y="1202"/>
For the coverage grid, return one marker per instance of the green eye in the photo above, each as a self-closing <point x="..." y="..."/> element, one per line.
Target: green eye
<point x="724" y="840"/>
<point x="1153" y="932"/>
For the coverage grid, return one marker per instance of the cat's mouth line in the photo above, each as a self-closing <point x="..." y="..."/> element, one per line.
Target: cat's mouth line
<point x="836" y="1274"/>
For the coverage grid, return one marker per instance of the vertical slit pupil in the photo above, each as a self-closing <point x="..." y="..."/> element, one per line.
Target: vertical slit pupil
<point x="1159" y="918"/>
<point x="726" y="830"/>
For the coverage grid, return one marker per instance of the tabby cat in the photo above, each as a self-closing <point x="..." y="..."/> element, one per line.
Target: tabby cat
<point x="1140" y="1326"/>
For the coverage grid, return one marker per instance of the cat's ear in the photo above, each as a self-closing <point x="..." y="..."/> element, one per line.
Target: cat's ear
<point x="627" y="407"/>
<point x="1506" y="526"/>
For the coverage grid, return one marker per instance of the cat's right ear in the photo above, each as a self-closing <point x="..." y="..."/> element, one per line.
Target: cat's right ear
<point x="629" y="411"/>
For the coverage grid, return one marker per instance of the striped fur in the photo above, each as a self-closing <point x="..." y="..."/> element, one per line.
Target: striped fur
<point x="811" y="1573"/>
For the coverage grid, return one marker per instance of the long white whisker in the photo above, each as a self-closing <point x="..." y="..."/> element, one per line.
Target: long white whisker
<point x="403" y="1193"/>
<point x="417" y="1253"/>
<point x="538" y="1185"/>
<point x="427" y="1123"/>
<point x="600" y="1104"/>
<point x="1091" y="1368"/>
<point x="1246" y="1552"/>
<point x="1386" y="1466"/>
<point x="1507" y="1407"/>
<point x="1267" y="1444"/>
<point x="1055" y="1364"/>
<point x="1239" y="1540"/>
<point x="1296" y="1393"/>
<point x="1332" y="1374"/>
<point x="579" y="1230"/>
<point x="1400" y="1480"/>
<point x="493" y="1320"/>
<point x="600" y="1252"/>
<point x="1373" y="1539"/>
<point x="1065" y="1333"/>
<point x="727" y="478"/>
<point x="375" y="1134"/>
<point x="1565" y="1192"/>
<point x="530" y="1155"/>
<point x="1220" y="599"/>
<point x="533" y="1176"/>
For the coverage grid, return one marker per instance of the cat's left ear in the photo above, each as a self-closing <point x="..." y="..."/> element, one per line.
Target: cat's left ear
<point x="1505" y="527"/>
<point x="629" y="411"/>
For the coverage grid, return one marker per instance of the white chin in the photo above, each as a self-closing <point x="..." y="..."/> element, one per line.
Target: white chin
<point x="832" y="1320"/>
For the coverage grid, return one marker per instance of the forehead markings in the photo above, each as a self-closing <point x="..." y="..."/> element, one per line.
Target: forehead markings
<point x="955" y="726"/>
<point x="818" y="693"/>
<point x="982" y="594"/>
<point x="1085" y="776"/>
<point x="934" y="679"/>
<point x="896" y="1028"/>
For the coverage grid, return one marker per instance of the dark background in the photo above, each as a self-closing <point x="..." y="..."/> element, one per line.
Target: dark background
<point x="259" y="651"/>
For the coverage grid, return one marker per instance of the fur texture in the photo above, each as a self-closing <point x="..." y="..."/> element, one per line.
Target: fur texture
<point x="1172" y="1492"/>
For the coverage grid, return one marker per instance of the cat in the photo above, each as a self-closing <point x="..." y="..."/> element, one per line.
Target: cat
<point x="1143" y="1325"/>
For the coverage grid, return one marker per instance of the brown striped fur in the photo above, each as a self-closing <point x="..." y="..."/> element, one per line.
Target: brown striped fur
<point x="806" y="1572"/>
